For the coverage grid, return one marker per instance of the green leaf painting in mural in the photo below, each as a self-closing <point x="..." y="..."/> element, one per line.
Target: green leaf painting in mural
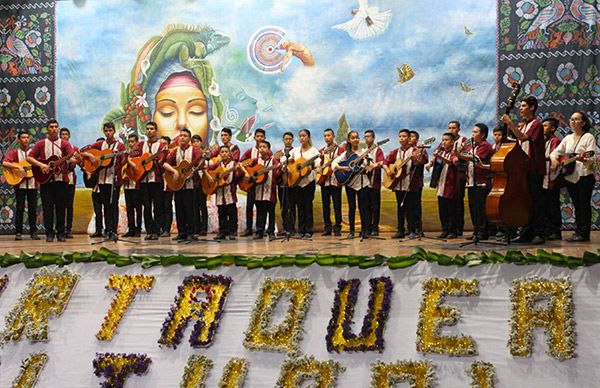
<point x="21" y="95"/>
<point x="542" y="74"/>
<point x="524" y="25"/>
<point x="33" y="18"/>
<point x="568" y="26"/>
<point x="544" y="3"/>
<point x="44" y="15"/>
<point x="20" y="34"/>
<point x="505" y="9"/>
<point x="124" y="99"/>
<point x="592" y="70"/>
<point x="574" y="89"/>
<point x="505" y="23"/>
<point x="343" y="129"/>
<point x="509" y="47"/>
<point x="560" y="90"/>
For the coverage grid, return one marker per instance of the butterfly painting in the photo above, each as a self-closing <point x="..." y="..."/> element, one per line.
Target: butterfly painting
<point x="405" y="73"/>
<point x="466" y="88"/>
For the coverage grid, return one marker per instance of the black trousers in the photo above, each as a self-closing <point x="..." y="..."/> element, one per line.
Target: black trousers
<point x="110" y="206"/>
<point x="69" y="209"/>
<point x="374" y="204"/>
<point x="228" y="219"/>
<point x="419" y="211"/>
<point x="406" y="202"/>
<point x="581" y="195"/>
<point x="459" y="214"/>
<point x="167" y="211"/>
<point x="184" y="212"/>
<point x="329" y="194"/>
<point x="133" y="202"/>
<point x="287" y="208"/>
<point x="536" y="226"/>
<point x="200" y="211"/>
<point x="97" y="202"/>
<point x="263" y="210"/>
<point x="551" y="212"/>
<point x="477" y="197"/>
<point x="303" y="198"/>
<point x="152" y="199"/>
<point x="363" y="208"/>
<point x="54" y="204"/>
<point x="31" y="196"/>
<point x="250" y="209"/>
<point x="447" y="210"/>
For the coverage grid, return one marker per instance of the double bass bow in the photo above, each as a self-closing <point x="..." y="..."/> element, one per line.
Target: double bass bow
<point x="509" y="202"/>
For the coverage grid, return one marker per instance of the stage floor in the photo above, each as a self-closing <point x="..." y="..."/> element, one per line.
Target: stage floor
<point x="319" y="244"/>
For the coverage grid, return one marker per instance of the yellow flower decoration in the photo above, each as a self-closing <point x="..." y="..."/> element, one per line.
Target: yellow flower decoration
<point x="419" y="374"/>
<point x="295" y="371"/>
<point x="482" y="374"/>
<point x="127" y="287"/>
<point x="31" y="368"/>
<point x="234" y="373"/>
<point x="196" y="371"/>
<point x="286" y="336"/>
<point x="556" y="318"/>
<point x="433" y="314"/>
<point x="45" y="295"/>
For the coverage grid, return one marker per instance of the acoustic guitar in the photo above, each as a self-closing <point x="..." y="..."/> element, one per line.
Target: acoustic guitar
<point x="219" y="176"/>
<point x="566" y="165"/>
<point x="354" y="162"/>
<point x="185" y="170"/>
<point x="257" y="174"/>
<point x="104" y="158"/>
<point x="14" y="177"/>
<point x="324" y="171"/>
<point x="300" y="168"/>
<point x="54" y="163"/>
<point x="398" y="168"/>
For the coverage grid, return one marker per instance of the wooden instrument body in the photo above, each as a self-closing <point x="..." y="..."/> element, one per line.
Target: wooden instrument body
<point x="53" y="162"/>
<point x="184" y="170"/>
<point x="14" y="177"/>
<point x="566" y="166"/>
<point x="509" y="202"/>
<point x="256" y="178"/>
<point x="143" y="164"/>
<point x="219" y="176"/>
<point x="297" y="170"/>
<point x="343" y="177"/>
<point x="104" y="158"/>
<point x="324" y="172"/>
<point x="396" y="169"/>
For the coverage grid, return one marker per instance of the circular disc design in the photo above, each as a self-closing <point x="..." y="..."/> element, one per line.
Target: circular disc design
<point x="263" y="53"/>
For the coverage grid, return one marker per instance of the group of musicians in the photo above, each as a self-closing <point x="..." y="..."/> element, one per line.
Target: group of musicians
<point x="459" y="164"/>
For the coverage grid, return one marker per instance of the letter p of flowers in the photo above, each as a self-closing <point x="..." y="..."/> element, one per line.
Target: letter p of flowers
<point x="339" y="332"/>
<point x="201" y="298"/>
<point x="285" y="336"/>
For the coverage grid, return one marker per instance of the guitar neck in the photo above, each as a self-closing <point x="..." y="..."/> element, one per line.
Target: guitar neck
<point x="266" y="169"/>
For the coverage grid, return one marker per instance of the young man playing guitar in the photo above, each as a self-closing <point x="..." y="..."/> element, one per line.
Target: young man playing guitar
<point x="550" y="188"/>
<point x="184" y="198"/>
<point x="65" y="135"/>
<point x="200" y="208"/>
<point x="376" y="158"/>
<point x="330" y="189"/>
<point x="26" y="189"/>
<point x="252" y="153"/>
<point x="225" y="195"/>
<point x="109" y="178"/>
<point x="419" y="174"/>
<point x="286" y="205"/>
<point x="151" y="184"/>
<point x="53" y="191"/>
<point x="133" y="198"/>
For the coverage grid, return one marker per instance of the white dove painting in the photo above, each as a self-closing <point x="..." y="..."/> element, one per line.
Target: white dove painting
<point x="367" y="23"/>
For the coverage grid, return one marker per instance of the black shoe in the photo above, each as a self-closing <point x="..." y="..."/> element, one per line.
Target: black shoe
<point x="179" y="237"/>
<point x="374" y="233"/>
<point x="522" y="239"/>
<point x="247" y="232"/>
<point x="202" y="233"/>
<point x="412" y="236"/>
<point x="444" y="235"/>
<point x="483" y="237"/>
<point x="18" y="237"/>
<point x="61" y="238"/>
<point x="193" y="237"/>
<point x="271" y="236"/>
<point x="398" y="235"/>
<point x="451" y="236"/>
<point x="166" y="233"/>
<point x="537" y="240"/>
<point x="151" y="236"/>
<point x="554" y="237"/>
<point x="258" y="236"/>
<point x="96" y="235"/>
<point x="307" y="236"/>
<point x="34" y="236"/>
<point x="350" y="235"/>
<point x="130" y="233"/>
<point x="459" y="233"/>
<point x="326" y="233"/>
<point x="69" y="234"/>
<point x="137" y="233"/>
<point x="577" y="238"/>
<point x="232" y="237"/>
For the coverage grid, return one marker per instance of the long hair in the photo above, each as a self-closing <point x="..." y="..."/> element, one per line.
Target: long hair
<point x="308" y="134"/>
<point x="587" y="124"/>
<point x="348" y="145"/>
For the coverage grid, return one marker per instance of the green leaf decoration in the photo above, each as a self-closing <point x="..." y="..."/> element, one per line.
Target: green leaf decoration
<point x="343" y="129"/>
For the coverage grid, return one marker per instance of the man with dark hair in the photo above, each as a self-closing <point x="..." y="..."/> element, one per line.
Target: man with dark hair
<point x="286" y="205"/>
<point x="151" y="184"/>
<point x="90" y="180"/>
<point x="53" y="191"/>
<point x="531" y="139"/>
<point x="454" y="129"/>
<point x="133" y="198"/>
<point x="419" y="175"/>
<point x="252" y="153"/>
<point x="199" y="204"/>
<point x="551" y="189"/>
<point x="376" y="155"/>
<point x="109" y="178"/>
<point x="65" y="134"/>
<point x="167" y="198"/>
<point x="331" y="191"/>
<point x="26" y="189"/>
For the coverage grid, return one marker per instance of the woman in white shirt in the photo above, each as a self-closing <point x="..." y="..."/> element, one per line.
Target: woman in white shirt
<point x="580" y="183"/>
<point x="357" y="187"/>
<point x="303" y="193"/>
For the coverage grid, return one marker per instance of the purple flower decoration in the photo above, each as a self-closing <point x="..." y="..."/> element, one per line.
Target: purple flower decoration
<point x="373" y="322"/>
<point x="116" y="367"/>
<point x="201" y="309"/>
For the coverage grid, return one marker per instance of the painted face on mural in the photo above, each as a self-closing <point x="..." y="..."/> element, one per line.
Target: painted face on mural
<point x="180" y="103"/>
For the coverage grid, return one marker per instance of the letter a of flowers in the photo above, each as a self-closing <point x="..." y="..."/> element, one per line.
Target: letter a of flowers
<point x="201" y="298"/>
<point x="339" y="331"/>
<point x="117" y="367"/>
<point x="556" y="318"/>
<point x="45" y="295"/>
<point x="285" y="336"/>
<point x="127" y="287"/>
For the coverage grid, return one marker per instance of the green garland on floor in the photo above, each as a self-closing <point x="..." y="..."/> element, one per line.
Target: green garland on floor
<point x="39" y="259"/>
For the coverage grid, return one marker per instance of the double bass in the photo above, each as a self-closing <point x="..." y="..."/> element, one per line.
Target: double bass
<point x="509" y="202"/>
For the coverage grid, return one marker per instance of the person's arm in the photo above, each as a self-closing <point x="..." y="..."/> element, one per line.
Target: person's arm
<point x="589" y="144"/>
<point x="10" y="159"/>
<point x="336" y="163"/>
<point x="509" y="123"/>
<point x="557" y="153"/>
<point x="36" y="153"/>
<point x="170" y="160"/>
<point x="391" y="159"/>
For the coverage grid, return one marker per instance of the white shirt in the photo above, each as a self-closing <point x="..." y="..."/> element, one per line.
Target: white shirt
<point x="298" y="153"/>
<point x="571" y="144"/>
